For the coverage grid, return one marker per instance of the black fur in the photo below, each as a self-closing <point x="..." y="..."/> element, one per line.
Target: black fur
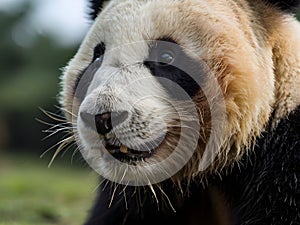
<point x="85" y="78"/>
<point x="288" y="5"/>
<point x="264" y="191"/>
<point x="184" y="71"/>
<point x="267" y="189"/>
<point x="95" y="8"/>
<point x="142" y="209"/>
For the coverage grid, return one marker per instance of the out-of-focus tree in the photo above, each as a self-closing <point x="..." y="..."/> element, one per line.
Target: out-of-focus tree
<point x="29" y="78"/>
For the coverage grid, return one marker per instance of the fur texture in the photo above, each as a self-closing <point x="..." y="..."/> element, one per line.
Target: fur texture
<point x="265" y="190"/>
<point x="238" y="63"/>
<point x="251" y="47"/>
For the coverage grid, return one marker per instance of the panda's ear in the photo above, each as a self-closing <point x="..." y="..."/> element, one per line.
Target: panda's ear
<point x="95" y="7"/>
<point x="286" y="5"/>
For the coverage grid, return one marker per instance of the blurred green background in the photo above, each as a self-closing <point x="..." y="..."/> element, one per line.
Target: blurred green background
<point x="35" y="43"/>
<point x="37" y="39"/>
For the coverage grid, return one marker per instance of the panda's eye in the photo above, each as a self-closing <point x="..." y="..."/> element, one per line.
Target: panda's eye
<point x="163" y="52"/>
<point x="99" y="51"/>
<point x="166" y="58"/>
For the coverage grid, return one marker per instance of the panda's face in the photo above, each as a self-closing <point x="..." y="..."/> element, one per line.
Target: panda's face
<point x="154" y="85"/>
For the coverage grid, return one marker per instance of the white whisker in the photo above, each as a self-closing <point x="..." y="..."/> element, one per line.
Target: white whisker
<point x="113" y="196"/>
<point x="169" y="201"/>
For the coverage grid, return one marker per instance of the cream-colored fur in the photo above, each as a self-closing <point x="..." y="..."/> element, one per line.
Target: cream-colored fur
<point x="253" y="51"/>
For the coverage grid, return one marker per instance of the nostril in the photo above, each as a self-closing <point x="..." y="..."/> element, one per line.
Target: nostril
<point x="103" y="123"/>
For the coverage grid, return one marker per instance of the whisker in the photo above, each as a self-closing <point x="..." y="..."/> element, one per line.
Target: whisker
<point x="169" y="201"/>
<point x="99" y="185"/>
<point x="67" y="111"/>
<point x="74" y="153"/>
<point x="58" y="131"/>
<point x="103" y="189"/>
<point x="125" y="199"/>
<point x="58" y="127"/>
<point x="63" y="126"/>
<point x="113" y="196"/>
<point x="66" y="140"/>
<point x="154" y="193"/>
<point x="63" y="144"/>
<point x="53" y="116"/>
<point x="66" y="149"/>
<point x="53" y="126"/>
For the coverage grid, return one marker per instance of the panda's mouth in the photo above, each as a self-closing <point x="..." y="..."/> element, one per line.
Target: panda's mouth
<point x="128" y="155"/>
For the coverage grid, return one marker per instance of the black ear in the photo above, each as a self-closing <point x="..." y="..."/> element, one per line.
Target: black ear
<point x="286" y="5"/>
<point x="95" y="7"/>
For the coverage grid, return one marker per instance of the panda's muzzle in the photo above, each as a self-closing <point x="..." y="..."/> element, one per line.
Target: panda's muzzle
<point x="104" y="124"/>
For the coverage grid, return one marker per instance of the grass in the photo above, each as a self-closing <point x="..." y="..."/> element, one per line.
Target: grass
<point x="32" y="194"/>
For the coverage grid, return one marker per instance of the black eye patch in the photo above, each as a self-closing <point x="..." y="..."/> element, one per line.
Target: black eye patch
<point x="168" y="60"/>
<point x="85" y="78"/>
<point x="99" y="51"/>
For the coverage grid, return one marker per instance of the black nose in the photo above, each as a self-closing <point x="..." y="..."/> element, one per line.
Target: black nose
<point x="104" y="122"/>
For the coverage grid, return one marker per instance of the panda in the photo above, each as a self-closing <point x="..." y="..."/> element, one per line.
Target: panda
<point x="189" y="110"/>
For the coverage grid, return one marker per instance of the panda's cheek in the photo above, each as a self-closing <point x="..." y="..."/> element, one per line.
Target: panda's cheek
<point x="86" y="136"/>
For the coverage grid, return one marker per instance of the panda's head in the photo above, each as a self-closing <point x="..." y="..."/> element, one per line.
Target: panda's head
<point x="162" y="89"/>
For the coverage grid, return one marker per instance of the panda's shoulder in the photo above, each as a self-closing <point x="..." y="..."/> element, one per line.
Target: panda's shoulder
<point x="285" y="5"/>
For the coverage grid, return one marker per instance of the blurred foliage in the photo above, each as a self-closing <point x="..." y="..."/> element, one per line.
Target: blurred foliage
<point x="29" y="79"/>
<point x="29" y="75"/>
<point x="32" y="194"/>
